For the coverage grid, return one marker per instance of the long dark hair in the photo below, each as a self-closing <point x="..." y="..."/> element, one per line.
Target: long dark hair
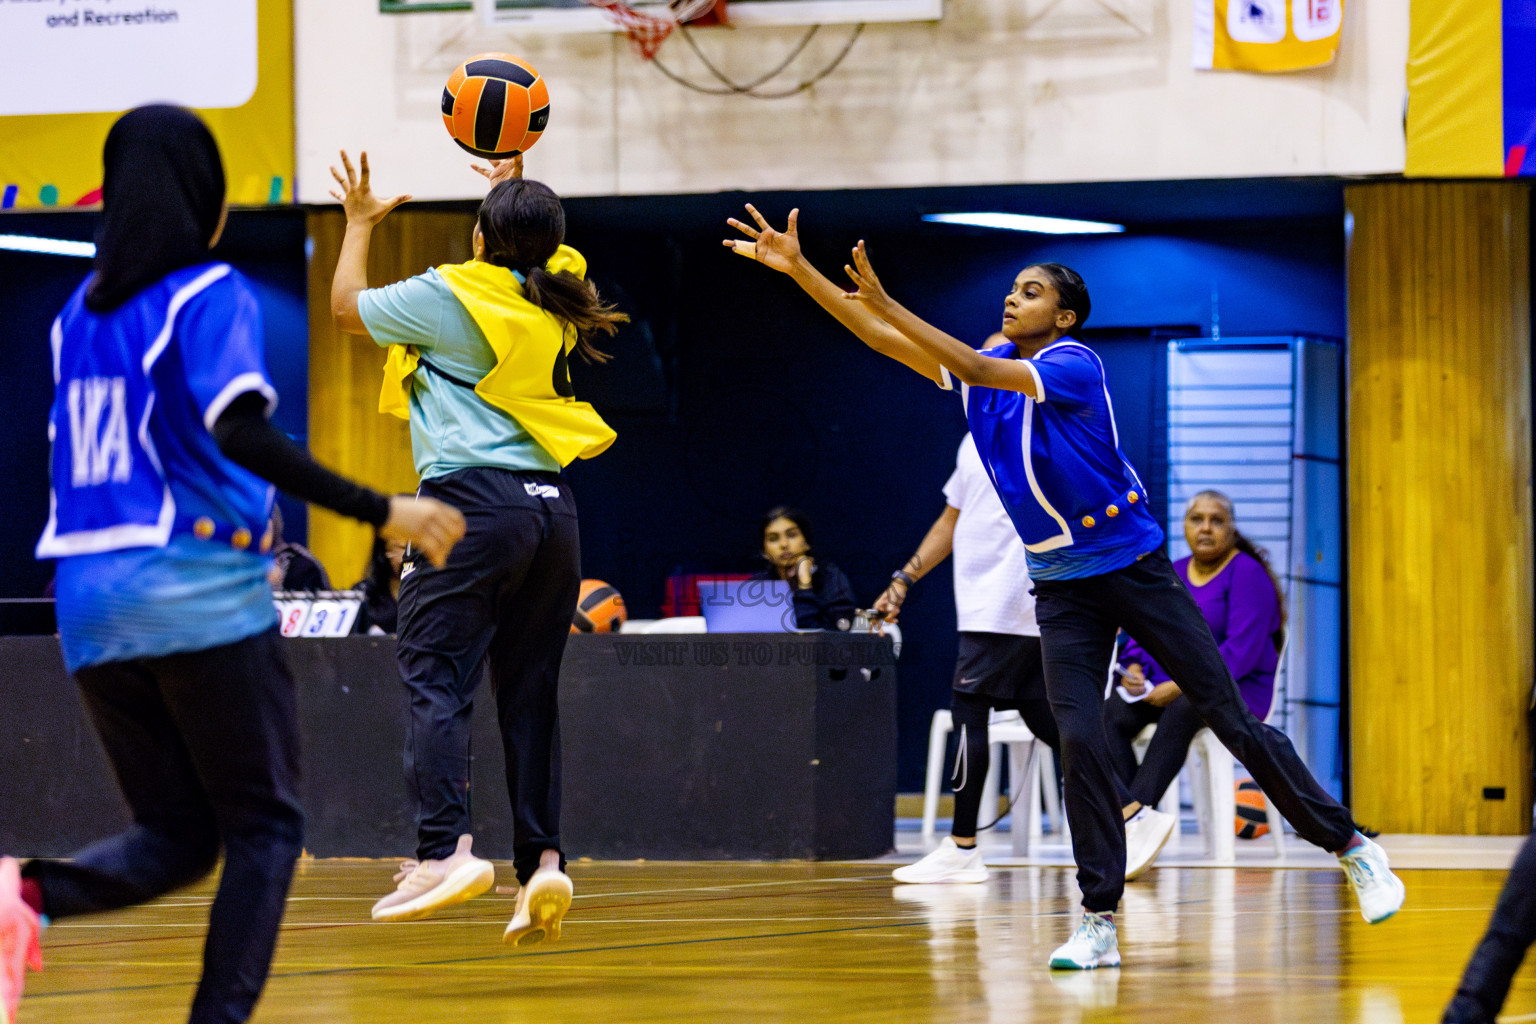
<point x="162" y="197"/>
<point x="1253" y="551"/>
<point x="523" y="224"/>
<point x="795" y="516"/>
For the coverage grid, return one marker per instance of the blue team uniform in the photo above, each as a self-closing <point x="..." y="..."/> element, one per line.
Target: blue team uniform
<point x="1056" y="462"/>
<point x="1095" y="555"/>
<point x="156" y="532"/>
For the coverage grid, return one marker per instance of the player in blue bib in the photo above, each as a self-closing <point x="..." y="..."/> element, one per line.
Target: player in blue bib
<point x="163" y="469"/>
<point x="1044" y="426"/>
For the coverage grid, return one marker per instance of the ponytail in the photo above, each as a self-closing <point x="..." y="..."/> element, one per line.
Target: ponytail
<point x="522" y="224"/>
<point x="575" y="303"/>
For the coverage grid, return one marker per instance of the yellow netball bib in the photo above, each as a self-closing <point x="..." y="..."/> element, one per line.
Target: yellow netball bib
<point x="531" y="381"/>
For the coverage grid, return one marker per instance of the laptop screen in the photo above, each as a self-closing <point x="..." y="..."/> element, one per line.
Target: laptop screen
<point x="747" y="606"/>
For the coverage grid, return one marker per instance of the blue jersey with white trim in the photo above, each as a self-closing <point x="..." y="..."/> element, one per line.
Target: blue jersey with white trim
<point x="135" y="466"/>
<point x="136" y="393"/>
<point x="1056" y="463"/>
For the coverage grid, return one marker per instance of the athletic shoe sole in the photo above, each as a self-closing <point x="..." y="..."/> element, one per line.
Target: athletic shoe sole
<point x="549" y="898"/>
<point x="1402" y="895"/>
<point x="1107" y="960"/>
<point x="464" y="882"/>
<point x="968" y="876"/>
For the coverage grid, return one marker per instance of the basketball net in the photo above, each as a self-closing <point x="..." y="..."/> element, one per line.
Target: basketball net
<point x="647" y="31"/>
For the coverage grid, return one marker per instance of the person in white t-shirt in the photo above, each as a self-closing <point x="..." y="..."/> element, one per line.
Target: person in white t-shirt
<point x="999" y="666"/>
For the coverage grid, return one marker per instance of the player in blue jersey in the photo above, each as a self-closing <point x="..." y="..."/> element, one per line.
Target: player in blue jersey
<point x="162" y="470"/>
<point x="1040" y="413"/>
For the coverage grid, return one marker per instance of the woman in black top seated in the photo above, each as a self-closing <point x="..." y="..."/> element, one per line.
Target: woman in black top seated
<point x="823" y="595"/>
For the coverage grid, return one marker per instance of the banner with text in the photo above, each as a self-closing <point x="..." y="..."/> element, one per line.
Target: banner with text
<point x="73" y="66"/>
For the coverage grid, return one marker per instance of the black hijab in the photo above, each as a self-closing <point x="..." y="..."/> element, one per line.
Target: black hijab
<point x="161" y="199"/>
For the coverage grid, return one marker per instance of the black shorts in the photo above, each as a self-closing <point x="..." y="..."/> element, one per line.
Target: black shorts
<point x="1003" y="666"/>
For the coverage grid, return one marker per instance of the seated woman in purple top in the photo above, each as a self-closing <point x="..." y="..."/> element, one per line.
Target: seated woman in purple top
<point x="1237" y="592"/>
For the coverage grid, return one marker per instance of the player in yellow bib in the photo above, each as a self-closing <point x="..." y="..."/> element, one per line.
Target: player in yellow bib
<point x="478" y="364"/>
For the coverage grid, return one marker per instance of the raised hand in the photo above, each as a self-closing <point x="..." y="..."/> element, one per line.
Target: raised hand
<point x="869" y="290"/>
<point x="356" y="197"/>
<point x="777" y="249"/>
<point x="431" y="526"/>
<point x="500" y="170"/>
<point x="804" y="570"/>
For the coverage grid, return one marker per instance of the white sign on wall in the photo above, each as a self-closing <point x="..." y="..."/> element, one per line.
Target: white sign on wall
<point x="86" y="56"/>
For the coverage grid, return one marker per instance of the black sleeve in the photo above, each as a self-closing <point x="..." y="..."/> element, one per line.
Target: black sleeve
<point x="840" y="602"/>
<point x="827" y="602"/>
<point x="249" y="440"/>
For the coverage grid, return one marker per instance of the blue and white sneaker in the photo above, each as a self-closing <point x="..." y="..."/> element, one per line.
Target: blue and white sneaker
<point x="1379" y="891"/>
<point x="1094" y="944"/>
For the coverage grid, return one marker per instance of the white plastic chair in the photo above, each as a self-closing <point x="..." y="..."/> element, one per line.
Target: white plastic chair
<point x="1033" y="775"/>
<point x="1214" y="785"/>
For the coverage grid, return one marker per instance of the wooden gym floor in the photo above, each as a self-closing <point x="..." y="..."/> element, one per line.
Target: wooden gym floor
<point x="793" y="942"/>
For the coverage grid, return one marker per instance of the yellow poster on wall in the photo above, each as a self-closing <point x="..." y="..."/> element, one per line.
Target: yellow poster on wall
<point x="71" y="67"/>
<point x="1266" y="35"/>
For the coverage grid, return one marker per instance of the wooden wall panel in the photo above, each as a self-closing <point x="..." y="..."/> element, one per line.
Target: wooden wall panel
<point x="1440" y="532"/>
<point x="346" y="431"/>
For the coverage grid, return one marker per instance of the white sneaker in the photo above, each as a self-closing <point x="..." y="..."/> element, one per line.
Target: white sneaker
<point x="1145" y="835"/>
<point x="1379" y="891"/>
<point x="425" y="887"/>
<point x="949" y="863"/>
<point x="1094" y="944"/>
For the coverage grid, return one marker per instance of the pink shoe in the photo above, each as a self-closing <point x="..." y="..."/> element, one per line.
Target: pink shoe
<point x="19" y="927"/>
<point x="425" y="887"/>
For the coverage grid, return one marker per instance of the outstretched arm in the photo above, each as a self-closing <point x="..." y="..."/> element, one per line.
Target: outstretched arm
<point x="953" y="354"/>
<point x="780" y="250"/>
<point x="364" y="210"/>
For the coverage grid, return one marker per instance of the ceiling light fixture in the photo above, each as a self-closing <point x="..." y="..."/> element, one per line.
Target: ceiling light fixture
<point x="48" y="246"/>
<point x="1027" y="222"/>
